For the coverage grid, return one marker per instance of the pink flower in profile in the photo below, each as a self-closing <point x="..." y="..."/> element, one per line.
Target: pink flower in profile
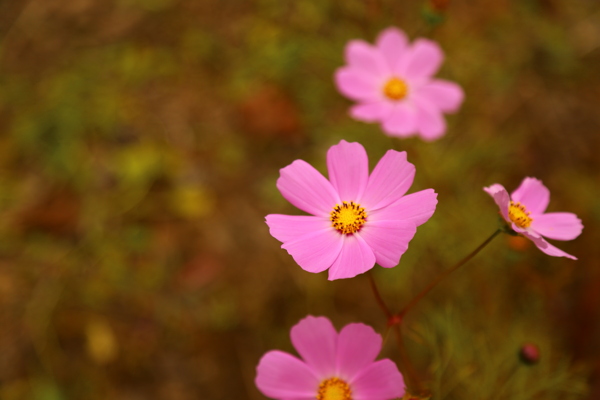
<point x="357" y="219"/>
<point x="333" y="366"/>
<point x="524" y="211"/>
<point x="392" y="83"/>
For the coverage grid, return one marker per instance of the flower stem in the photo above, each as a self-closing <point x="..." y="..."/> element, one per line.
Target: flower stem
<point x="394" y="321"/>
<point x="440" y="278"/>
<point x="378" y="297"/>
<point x="411" y="374"/>
<point x="413" y="380"/>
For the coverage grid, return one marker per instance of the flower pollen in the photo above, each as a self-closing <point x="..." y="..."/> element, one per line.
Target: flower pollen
<point x="334" y="389"/>
<point x="395" y="89"/>
<point x="519" y="215"/>
<point x="348" y="218"/>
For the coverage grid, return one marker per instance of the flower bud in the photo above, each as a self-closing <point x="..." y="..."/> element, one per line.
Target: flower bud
<point x="529" y="354"/>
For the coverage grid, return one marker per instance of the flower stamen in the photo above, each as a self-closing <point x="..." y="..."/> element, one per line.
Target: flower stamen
<point x="334" y="389"/>
<point x="519" y="215"/>
<point x="395" y="89"/>
<point x="348" y="218"/>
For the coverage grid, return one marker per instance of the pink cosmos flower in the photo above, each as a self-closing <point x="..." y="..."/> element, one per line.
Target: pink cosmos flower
<point x="392" y="83"/>
<point x="357" y="219"/>
<point x="333" y="366"/>
<point x="525" y="212"/>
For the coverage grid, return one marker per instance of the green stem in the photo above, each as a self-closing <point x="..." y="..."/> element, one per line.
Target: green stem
<point x="441" y="277"/>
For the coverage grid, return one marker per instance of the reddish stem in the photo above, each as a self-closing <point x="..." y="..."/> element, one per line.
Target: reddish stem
<point x="378" y="297"/>
<point x="391" y="322"/>
<point x="394" y="321"/>
<point x="400" y="316"/>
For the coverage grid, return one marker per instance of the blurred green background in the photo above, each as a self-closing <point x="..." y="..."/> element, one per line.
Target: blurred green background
<point x="140" y="142"/>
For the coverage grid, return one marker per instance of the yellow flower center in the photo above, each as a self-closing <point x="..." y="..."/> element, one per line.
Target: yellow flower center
<point x="334" y="389"/>
<point x="395" y="89"/>
<point x="519" y="215"/>
<point x="348" y="218"/>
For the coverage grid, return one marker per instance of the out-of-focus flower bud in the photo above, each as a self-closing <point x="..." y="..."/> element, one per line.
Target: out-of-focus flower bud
<point x="529" y="354"/>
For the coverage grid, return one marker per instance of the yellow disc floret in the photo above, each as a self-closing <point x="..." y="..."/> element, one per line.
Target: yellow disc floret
<point x="348" y="218"/>
<point x="519" y="215"/>
<point x="395" y="89"/>
<point x="334" y="389"/>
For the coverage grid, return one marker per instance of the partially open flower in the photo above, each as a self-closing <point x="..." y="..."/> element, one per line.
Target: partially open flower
<point x="392" y="83"/>
<point x="524" y="211"/>
<point x="334" y="366"/>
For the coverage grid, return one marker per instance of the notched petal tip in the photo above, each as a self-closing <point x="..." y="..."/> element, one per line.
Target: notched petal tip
<point x="312" y="323"/>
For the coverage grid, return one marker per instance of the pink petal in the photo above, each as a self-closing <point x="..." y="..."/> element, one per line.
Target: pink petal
<point x="559" y="226"/>
<point x="348" y="168"/>
<point x="430" y="121"/>
<point x="416" y="207"/>
<point x="389" y="181"/>
<point x="401" y="121"/>
<point x="358" y="346"/>
<point x="362" y="56"/>
<point x="424" y="59"/>
<point x="371" y="112"/>
<point x="281" y="375"/>
<point x="357" y="85"/>
<point x="529" y="233"/>
<point x="445" y="95"/>
<point x="388" y="240"/>
<point x="315" y="252"/>
<point x="315" y="339"/>
<point x="380" y="381"/>
<point x="547" y="248"/>
<point x="533" y="195"/>
<point x="393" y="44"/>
<point x="291" y="227"/>
<point x="355" y="258"/>
<point x="501" y="198"/>
<point x="307" y="189"/>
